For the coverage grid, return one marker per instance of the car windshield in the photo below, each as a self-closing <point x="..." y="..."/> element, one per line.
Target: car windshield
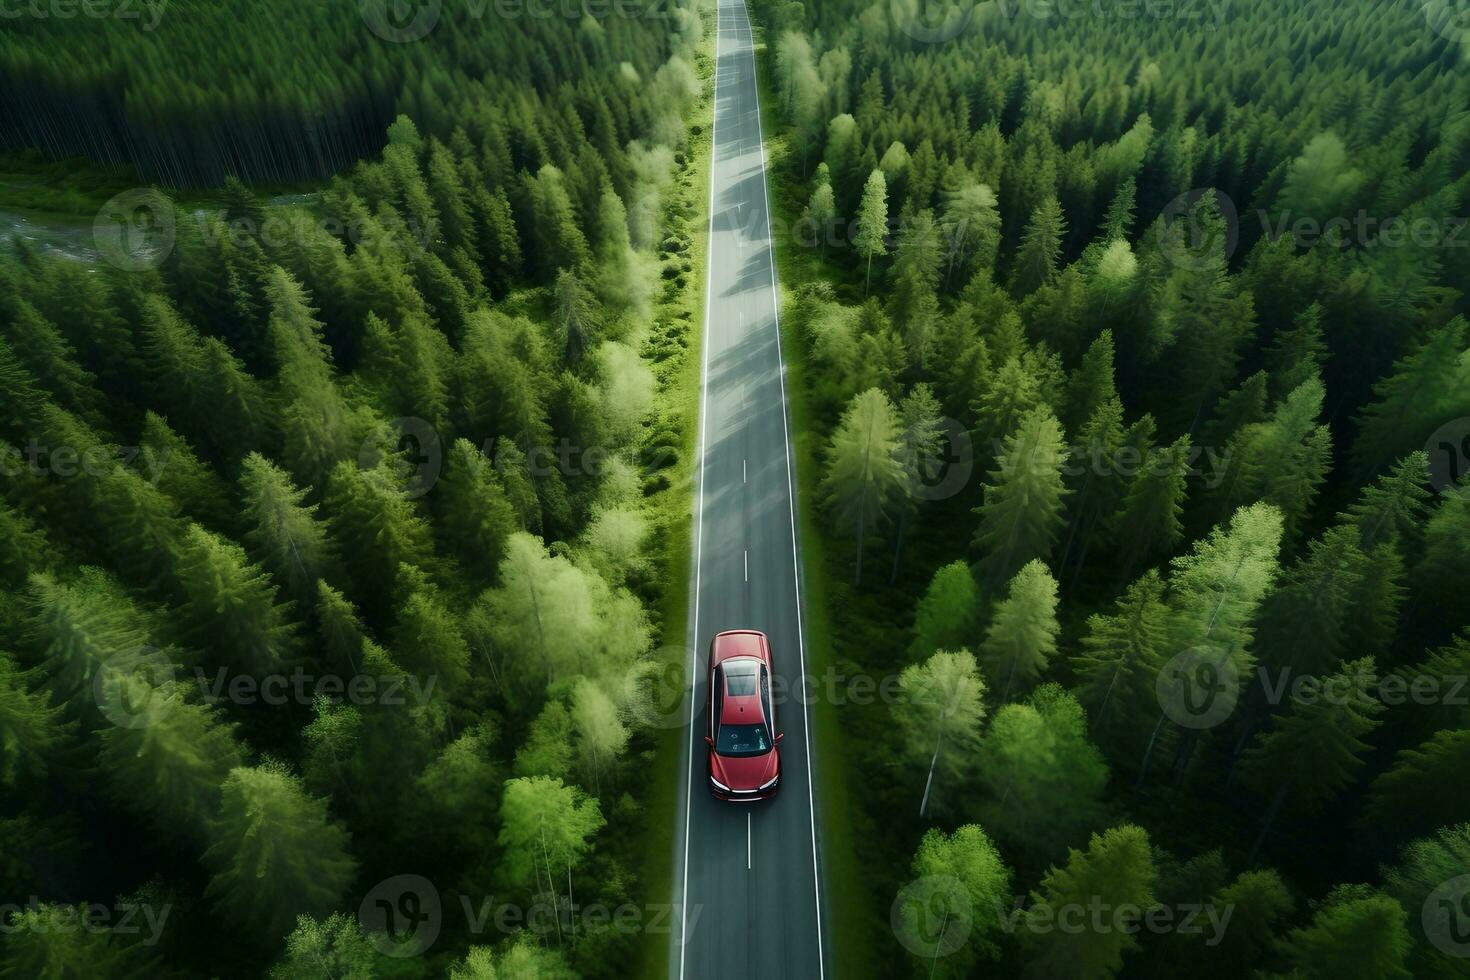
<point x="741" y="740"/>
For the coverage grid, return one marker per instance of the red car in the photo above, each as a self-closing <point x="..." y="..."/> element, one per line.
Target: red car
<point x="744" y="763"/>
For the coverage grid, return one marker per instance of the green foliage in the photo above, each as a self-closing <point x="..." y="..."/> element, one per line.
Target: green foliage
<point x="1044" y="780"/>
<point x="1356" y="932"/>
<point x="941" y="705"/>
<point x="1022" y="512"/>
<point x="1022" y="635"/>
<point x="948" y="615"/>
<point x="968" y="857"/>
<point x="1116" y="869"/>
<point x="276" y="854"/>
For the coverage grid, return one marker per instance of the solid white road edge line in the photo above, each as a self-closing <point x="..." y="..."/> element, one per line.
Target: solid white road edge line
<point x="714" y="149"/>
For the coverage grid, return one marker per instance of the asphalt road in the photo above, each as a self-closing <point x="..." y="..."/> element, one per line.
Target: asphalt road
<point x="746" y="875"/>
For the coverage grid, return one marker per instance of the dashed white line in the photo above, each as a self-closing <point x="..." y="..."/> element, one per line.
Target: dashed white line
<point x="791" y="503"/>
<point x="749" y="846"/>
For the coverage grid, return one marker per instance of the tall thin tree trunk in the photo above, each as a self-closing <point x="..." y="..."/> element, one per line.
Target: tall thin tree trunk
<point x="898" y="546"/>
<point x="924" y="803"/>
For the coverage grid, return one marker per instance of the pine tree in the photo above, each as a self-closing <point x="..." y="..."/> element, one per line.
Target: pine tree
<point x="1090" y="386"/>
<point x="1022" y="512"/>
<point x="230" y="607"/>
<point x="1116" y="869"/>
<point x="1299" y="352"/>
<point x="919" y="453"/>
<point x="1041" y="249"/>
<point x="1043" y="778"/>
<point x="74" y="628"/>
<point x="1022" y="636"/>
<point x="1312" y="752"/>
<point x="556" y="237"/>
<point x="1147" y="527"/>
<point x="30" y="726"/>
<point x="1392" y="508"/>
<point x="1428" y="385"/>
<point x="982" y="889"/>
<point x="1426" y="864"/>
<point x="285" y="534"/>
<point x="275" y="853"/>
<point x="1423" y="790"/>
<point x="948" y="616"/>
<point x="1304" y="620"/>
<point x="475" y="515"/>
<point x="577" y="316"/>
<point x="169" y="762"/>
<point x="872" y="223"/>
<point x="940" y="711"/>
<point x="864" y="479"/>
<point x="315" y="419"/>
<point x="1121" y="656"/>
<point x="971" y="226"/>
<point x="377" y="529"/>
<point x="1214" y="592"/>
<point x="1355" y="932"/>
<point x="1260" y="901"/>
<point x="427" y="638"/>
<point x="820" y="213"/>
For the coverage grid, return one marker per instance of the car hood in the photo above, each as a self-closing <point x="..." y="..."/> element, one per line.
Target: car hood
<point x="745" y="772"/>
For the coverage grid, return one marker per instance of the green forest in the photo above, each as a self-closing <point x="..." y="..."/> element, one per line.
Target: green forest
<point x="335" y="532"/>
<point x="345" y="522"/>
<point x="1135" y="347"/>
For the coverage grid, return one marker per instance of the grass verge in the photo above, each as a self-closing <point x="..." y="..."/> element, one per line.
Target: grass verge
<point x="677" y="344"/>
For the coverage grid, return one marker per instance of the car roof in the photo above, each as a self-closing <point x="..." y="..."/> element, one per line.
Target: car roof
<point x="741" y="709"/>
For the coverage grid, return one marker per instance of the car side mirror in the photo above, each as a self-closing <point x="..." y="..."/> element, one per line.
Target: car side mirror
<point x="709" y="741"/>
<point x="779" y="736"/>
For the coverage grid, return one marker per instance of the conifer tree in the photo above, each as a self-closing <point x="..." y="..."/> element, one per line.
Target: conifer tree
<point x="939" y="713"/>
<point x="1041" y="249"/>
<point x="1022" y="512"/>
<point x="231" y="608"/>
<point x="1116" y="868"/>
<point x="864" y="479"/>
<point x="1356" y="932"/>
<point x="275" y="853"/>
<point x="872" y="223"/>
<point x="1023" y="630"/>
<point x="948" y="616"/>
<point x="1121" y="656"/>
<point x="1312" y="752"/>
<point x="1043" y="778"/>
